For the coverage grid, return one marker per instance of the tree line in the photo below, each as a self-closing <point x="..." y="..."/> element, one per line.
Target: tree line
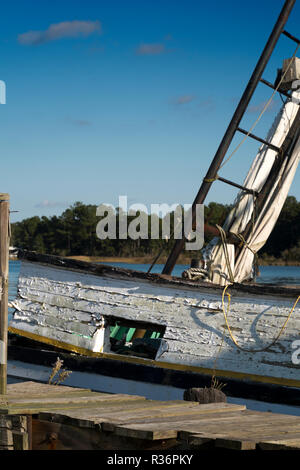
<point x="73" y="233"/>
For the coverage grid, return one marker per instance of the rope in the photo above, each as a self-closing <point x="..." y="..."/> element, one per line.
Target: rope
<point x="194" y="273"/>
<point x="264" y="109"/>
<point x="230" y="332"/>
<point x="244" y="243"/>
<point x="223" y="239"/>
<point x="211" y="180"/>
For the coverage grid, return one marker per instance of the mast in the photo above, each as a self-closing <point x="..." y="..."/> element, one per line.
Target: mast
<point x="234" y="124"/>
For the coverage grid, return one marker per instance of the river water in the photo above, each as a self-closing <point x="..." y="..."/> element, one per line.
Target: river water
<point x="268" y="274"/>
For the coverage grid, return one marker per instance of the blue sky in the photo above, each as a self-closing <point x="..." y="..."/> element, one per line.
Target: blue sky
<point x="108" y="98"/>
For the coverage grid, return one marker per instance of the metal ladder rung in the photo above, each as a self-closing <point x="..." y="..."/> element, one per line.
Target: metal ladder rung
<point x="265" y="82"/>
<point x="271" y="146"/>
<point x="293" y="38"/>
<point x="249" y="191"/>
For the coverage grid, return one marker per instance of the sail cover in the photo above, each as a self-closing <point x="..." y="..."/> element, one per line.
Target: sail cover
<point x="223" y="264"/>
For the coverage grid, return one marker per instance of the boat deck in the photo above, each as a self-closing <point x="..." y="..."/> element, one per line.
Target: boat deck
<point x="66" y="418"/>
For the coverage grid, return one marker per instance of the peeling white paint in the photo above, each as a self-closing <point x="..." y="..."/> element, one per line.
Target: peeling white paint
<point x="68" y="306"/>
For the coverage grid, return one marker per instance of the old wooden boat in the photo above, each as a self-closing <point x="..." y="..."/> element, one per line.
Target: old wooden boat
<point x="156" y="334"/>
<point x="69" y="309"/>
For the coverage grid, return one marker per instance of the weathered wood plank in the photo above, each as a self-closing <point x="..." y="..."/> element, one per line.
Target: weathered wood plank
<point x="6" y="437"/>
<point x="20" y="440"/>
<point x="171" y="428"/>
<point x="34" y="318"/>
<point x="122" y="294"/>
<point x="241" y="426"/>
<point x="235" y="444"/>
<point x="116" y="409"/>
<point x="5" y="422"/>
<point x="249" y="422"/>
<point x="283" y="444"/>
<point x="28" y="397"/>
<point x="235" y="431"/>
<point x="95" y="416"/>
<point x="163" y="418"/>
<point x="63" y="339"/>
<point x="36" y="390"/>
<point x="175" y="325"/>
<point x="143" y="412"/>
<point x="30" y="406"/>
<point x="142" y="433"/>
<point x="31" y="388"/>
<point x="116" y="294"/>
<point x="96" y="269"/>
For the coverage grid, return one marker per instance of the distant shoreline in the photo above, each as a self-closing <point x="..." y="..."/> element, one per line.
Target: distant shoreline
<point x="128" y="259"/>
<point x="162" y="260"/>
<point x="277" y="262"/>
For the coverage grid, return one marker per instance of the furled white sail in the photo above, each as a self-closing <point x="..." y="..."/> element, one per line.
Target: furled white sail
<point x="221" y="264"/>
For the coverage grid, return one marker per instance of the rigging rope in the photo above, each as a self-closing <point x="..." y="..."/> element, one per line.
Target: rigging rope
<point x="224" y="245"/>
<point x="264" y="109"/>
<point x="194" y="273"/>
<point x="230" y="332"/>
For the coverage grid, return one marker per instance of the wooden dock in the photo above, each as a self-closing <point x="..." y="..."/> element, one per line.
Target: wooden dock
<point x="48" y="417"/>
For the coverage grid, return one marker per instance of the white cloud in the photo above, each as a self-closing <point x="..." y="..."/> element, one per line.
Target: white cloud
<point x="184" y="99"/>
<point x="66" y="29"/>
<point x="81" y="122"/>
<point x="257" y="108"/>
<point x="151" y="49"/>
<point x="51" y="204"/>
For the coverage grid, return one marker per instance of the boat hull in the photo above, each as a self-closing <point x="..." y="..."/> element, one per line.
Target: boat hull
<point x="63" y="304"/>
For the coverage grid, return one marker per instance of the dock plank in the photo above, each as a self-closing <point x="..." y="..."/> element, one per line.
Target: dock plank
<point x="234" y="428"/>
<point x="130" y="420"/>
<point x="160" y="415"/>
<point x="238" y="425"/>
<point x="120" y="413"/>
<point x="277" y="444"/>
<point x="148" y="409"/>
<point x="38" y="397"/>
<point x="171" y="427"/>
<point x="70" y="400"/>
<point x="34" y="408"/>
<point x="278" y="431"/>
<point x="37" y="389"/>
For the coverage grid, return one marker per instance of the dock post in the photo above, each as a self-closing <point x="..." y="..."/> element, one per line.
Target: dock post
<point x="4" y="258"/>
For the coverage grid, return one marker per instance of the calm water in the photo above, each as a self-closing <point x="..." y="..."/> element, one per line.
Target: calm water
<point x="14" y="268"/>
<point x="268" y="274"/>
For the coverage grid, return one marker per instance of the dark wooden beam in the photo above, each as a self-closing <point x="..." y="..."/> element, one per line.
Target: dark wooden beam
<point x="259" y="139"/>
<point x="4" y="256"/>
<point x="290" y="36"/>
